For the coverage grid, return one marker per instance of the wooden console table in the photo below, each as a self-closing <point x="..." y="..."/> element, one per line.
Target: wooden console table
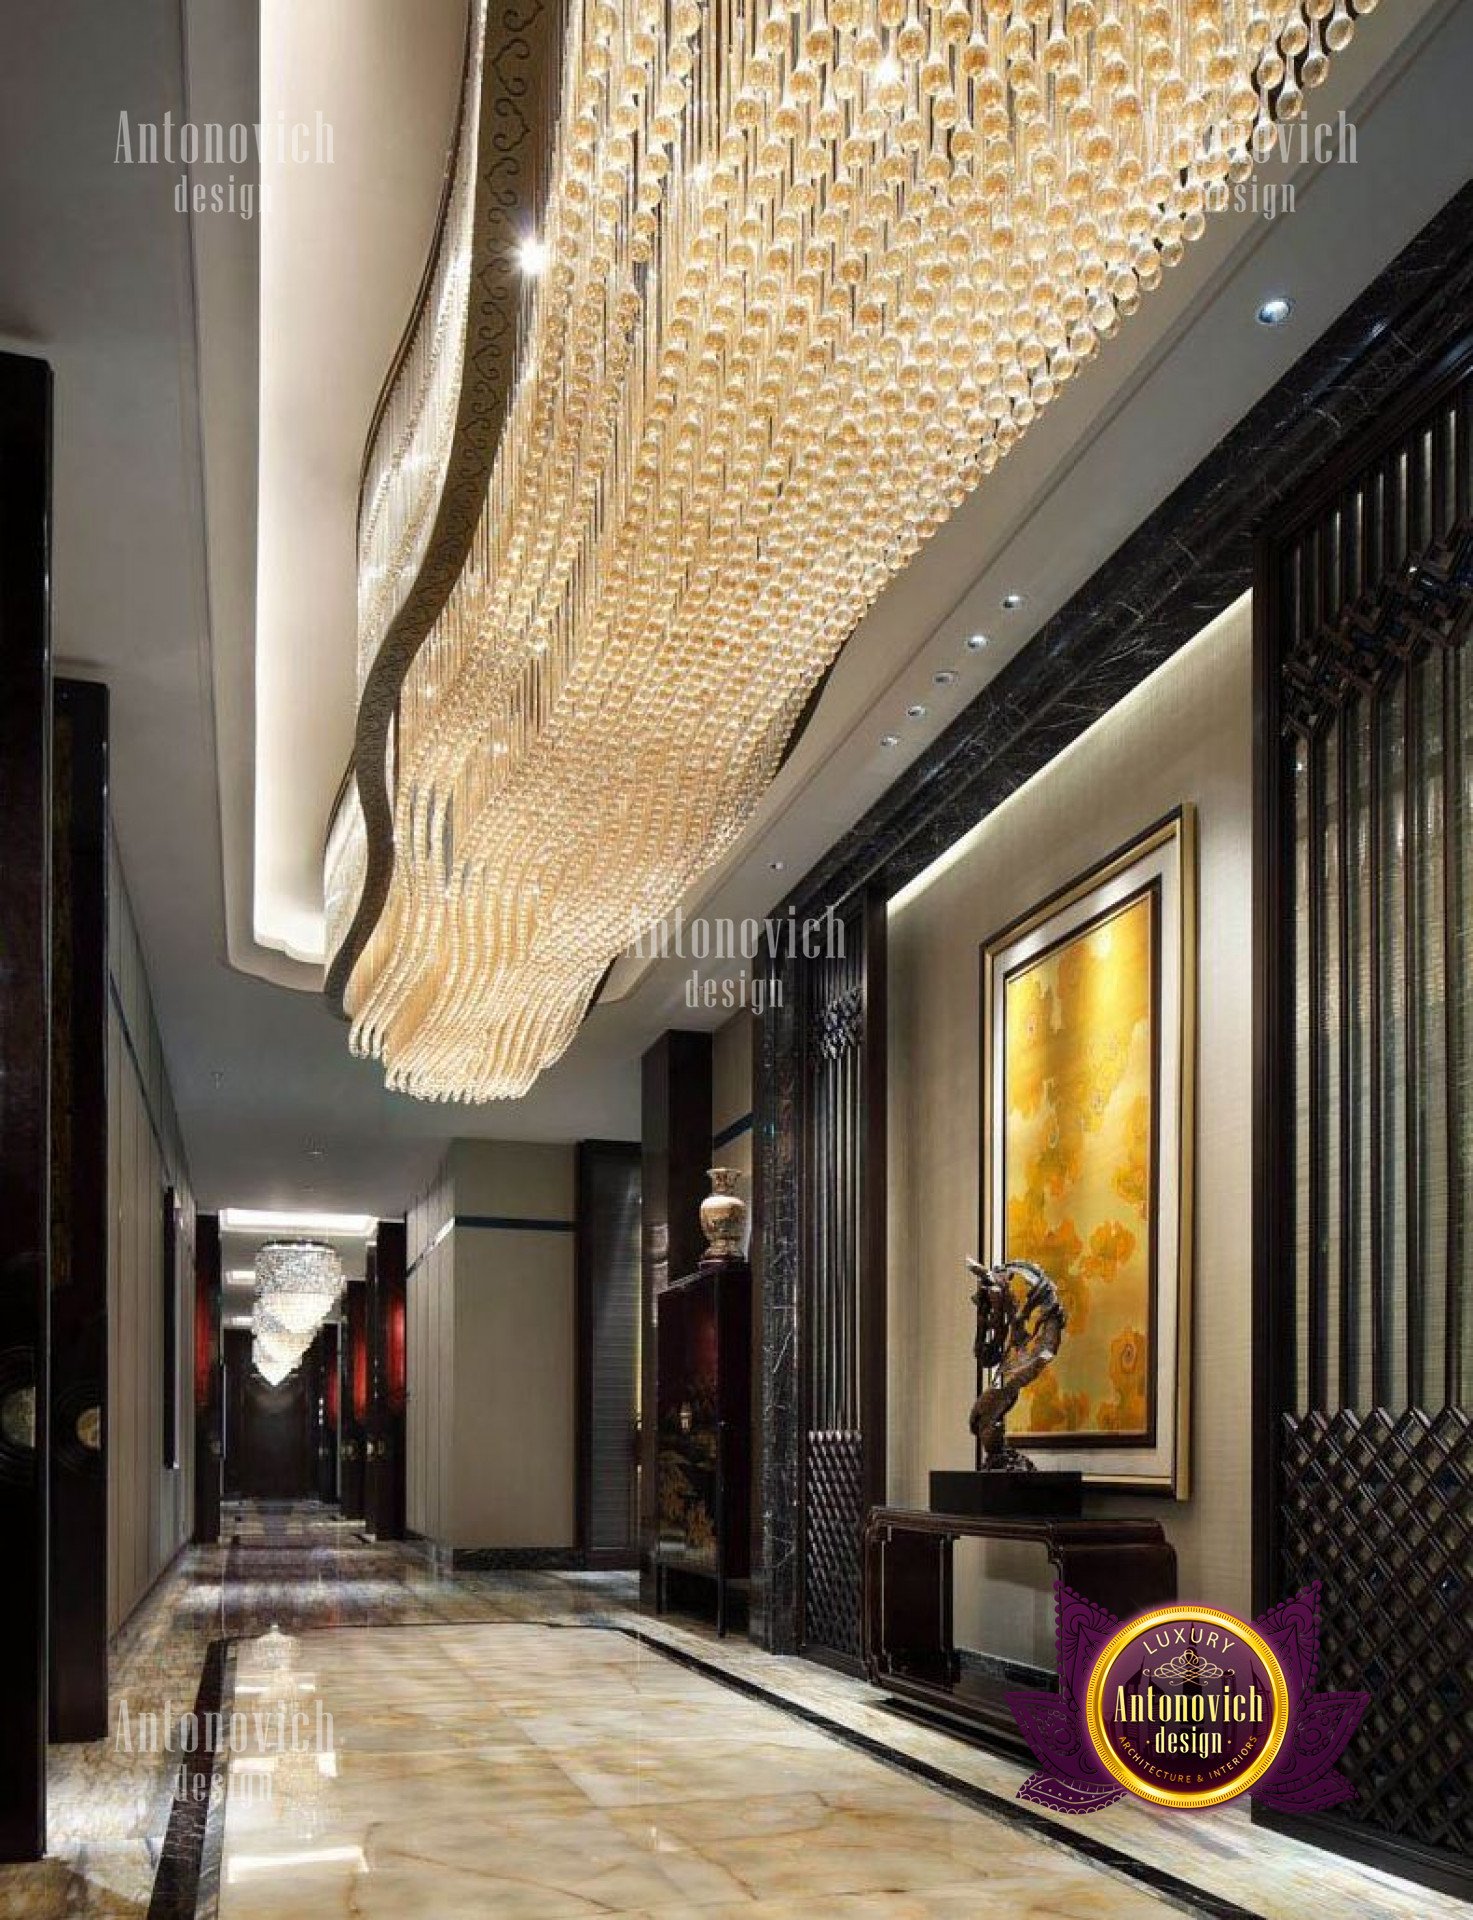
<point x="909" y="1651"/>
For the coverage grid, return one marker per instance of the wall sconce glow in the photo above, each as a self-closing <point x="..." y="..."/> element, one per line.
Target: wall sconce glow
<point x="532" y="256"/>
<point x="346" y="1226"/>
<point x="1274" y="312"/>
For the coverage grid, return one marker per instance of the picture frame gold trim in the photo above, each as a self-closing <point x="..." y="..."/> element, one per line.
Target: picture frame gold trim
<point x="1168" y="1472"/>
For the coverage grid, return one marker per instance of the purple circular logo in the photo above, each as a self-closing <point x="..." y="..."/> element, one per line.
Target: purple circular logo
<point x="1187" y="1706"/>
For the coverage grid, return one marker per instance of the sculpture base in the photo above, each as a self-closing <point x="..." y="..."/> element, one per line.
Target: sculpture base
<point x="1056" y="1496"/>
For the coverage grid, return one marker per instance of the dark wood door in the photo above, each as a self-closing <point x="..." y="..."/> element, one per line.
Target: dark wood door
<point x="269" y="1451"/>
<point x="25" y="1069"/>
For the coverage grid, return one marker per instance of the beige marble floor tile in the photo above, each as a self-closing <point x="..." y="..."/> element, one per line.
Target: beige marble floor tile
<point x="488" y="1721"/>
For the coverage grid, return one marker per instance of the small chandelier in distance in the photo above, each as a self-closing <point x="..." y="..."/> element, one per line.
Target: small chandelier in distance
<point x="298" y="1284"/>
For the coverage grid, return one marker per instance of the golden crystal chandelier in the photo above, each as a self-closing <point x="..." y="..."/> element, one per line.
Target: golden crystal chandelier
<point x="811" y="270"/>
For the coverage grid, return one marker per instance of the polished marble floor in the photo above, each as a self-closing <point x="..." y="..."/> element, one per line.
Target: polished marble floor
<point x="533" y="1770"/>
<point x="528" y="1744"/>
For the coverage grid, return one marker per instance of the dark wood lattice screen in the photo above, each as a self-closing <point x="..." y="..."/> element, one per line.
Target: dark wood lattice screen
<point x="1366" y="685"/>
<point x="843" y="1451"/>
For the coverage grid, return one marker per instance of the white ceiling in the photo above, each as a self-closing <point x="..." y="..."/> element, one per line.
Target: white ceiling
<point x="154" y="345"/>
<point x="342" y="248"/>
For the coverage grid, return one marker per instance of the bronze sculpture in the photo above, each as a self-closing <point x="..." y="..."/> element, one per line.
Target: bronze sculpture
<point x="1018" y="1336"/>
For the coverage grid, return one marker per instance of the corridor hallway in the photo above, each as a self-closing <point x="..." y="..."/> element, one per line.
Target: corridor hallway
<point x="397" y="1742"/>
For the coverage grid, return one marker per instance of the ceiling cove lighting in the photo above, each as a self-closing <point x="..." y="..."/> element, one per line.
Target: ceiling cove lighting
<point x="813" y="267"/>
<point x="344" y="1226"/>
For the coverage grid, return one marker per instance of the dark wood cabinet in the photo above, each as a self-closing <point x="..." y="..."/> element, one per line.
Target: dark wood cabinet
<point x="703" y="1442"/>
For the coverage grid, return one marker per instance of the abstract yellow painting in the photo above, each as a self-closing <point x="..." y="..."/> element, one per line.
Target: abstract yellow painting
<point x="1079" y="1090"/>
<point x="1088" y="1104"/>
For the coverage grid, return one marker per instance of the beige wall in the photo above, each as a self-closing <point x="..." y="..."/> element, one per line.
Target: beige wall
<point x="1184" y="735"/>
<point x="731" y="1097"/>
<point x="150" y="1509"/>
<point x="493" y="1350"/>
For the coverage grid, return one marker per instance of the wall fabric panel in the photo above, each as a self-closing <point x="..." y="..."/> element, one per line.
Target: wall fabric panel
<point x="1183" y="735"/>
<point x="514" y="1444"/>
<point x="150" y="1507"/>
<point x="492" y="1353"/>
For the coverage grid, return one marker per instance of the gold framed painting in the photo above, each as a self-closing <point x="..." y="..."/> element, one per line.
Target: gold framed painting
<point x="1088" y="1129"/>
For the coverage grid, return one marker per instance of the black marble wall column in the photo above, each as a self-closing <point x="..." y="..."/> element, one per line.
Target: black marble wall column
<point x="329" y="1387"/>
<point x="356" y="1399"/>
<point x="209" y="1385"/>
<point x="675" y="1129"/>
<point x="78" y="1597"/>
<point x="777" y="1411"/>
<point x="384" y="1470"/>
<point x="25" y="1071"/>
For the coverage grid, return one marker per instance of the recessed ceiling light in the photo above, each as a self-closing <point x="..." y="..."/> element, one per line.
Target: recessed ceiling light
<point x="777" y="865"/>
<point x="944" y="678"/>
<point x="532" y="255"/>
<point x="1011" y="600"/>
<point x="915" y="711"/>
<point x="889" y="739"/>
<point x="976" y="642"/>
<point x="1274" y="312"/>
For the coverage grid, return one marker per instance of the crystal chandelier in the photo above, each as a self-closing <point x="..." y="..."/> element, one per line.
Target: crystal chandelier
<point x="276" y="1349"/>
<point x="298" y="1284"/>
<point x="812" y="267"/>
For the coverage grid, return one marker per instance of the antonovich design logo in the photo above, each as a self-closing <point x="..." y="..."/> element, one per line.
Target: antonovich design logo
<point x="1187" y="1706"/>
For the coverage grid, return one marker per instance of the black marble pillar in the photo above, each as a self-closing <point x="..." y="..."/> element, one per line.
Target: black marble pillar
<point x="329" y="1388"/>
<point x="25" y="1071"/>
<point x="384" y="1476"/>
<point x="777" y="1411"/>
<point x="356" y="1399"/>
<point x="79" y="1147"/>
<point x="209" y="1386"/>
<point x="675" y="1133"/>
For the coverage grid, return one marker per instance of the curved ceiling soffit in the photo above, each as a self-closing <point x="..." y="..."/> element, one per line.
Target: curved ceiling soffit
<point x="513" y="140"/>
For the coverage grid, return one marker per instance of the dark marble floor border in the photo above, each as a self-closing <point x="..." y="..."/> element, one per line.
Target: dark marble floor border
<point x="1166" y="1886"/>
<point x="212" y="1841"/>
<point x="518" y="1560"/>
<point x="177" y="1879"/>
